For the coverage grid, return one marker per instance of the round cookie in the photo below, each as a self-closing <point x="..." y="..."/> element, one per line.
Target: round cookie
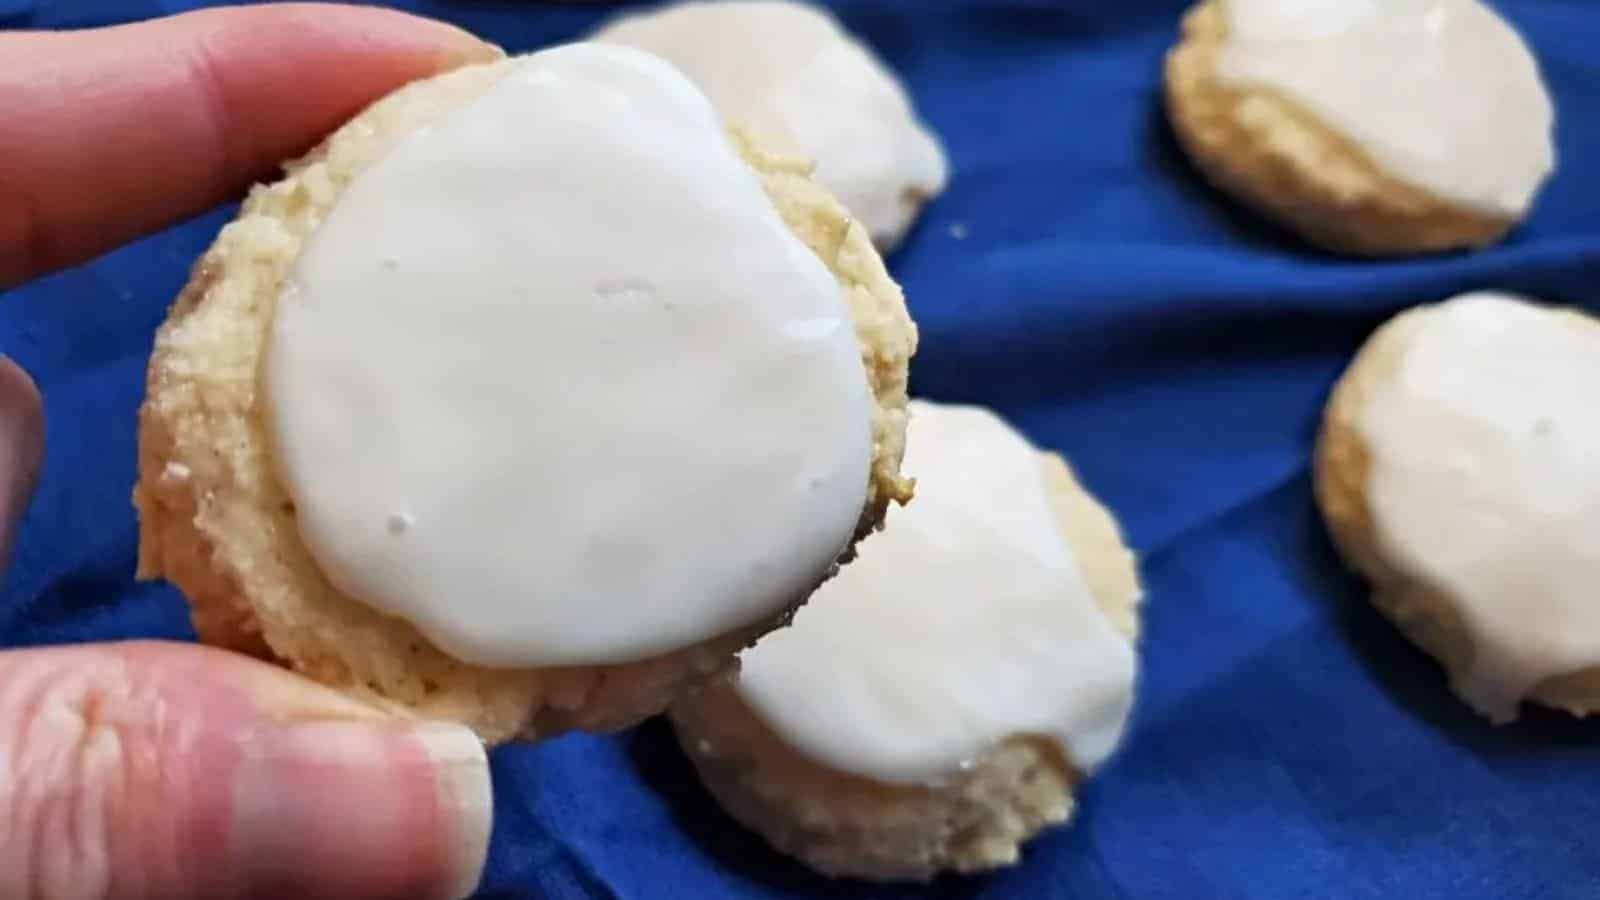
<point x="1456" y="470"/>
<point x="793" y="76"/>
<point x="217" y="519"/>
<point x="897" y="755"/>
<point x="1300" y="119"/>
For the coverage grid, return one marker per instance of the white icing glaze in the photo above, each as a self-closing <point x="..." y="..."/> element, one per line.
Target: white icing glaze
<point x="554" y="382"/>
<point x="1485" y="481"/>
<point x="791" y="74"/>
<point x="966" y="621"/>
<point x="1440" y="94"/>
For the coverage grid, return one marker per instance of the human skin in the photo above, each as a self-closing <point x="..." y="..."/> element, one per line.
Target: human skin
<point x="171" y="770"/>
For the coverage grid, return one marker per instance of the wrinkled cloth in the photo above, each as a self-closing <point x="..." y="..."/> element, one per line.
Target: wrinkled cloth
<point x="1081" y="278"/>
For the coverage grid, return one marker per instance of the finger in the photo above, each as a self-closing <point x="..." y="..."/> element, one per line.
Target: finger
<point x="21" y="445"/>
<point x="114" y="132"/>
<point x="170" y="770"/>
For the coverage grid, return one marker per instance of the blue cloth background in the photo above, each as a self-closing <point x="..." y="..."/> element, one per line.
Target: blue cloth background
<point x="1080" y="277"/>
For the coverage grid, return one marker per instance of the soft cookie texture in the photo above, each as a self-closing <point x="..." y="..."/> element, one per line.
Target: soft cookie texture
<point x="1426" y="608"/>
<point x="1258" y="144"/>
<point x="843" y="824"/>
<point x="216" y="521"/>
<point x="799" y="82"/>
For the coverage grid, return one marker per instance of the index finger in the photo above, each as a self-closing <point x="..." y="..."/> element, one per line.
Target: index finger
<point x="112" y="133"/>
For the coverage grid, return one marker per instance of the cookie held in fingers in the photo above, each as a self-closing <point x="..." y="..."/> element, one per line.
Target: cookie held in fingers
<point x="936" y="705"/>
<point x="792" y="75"/>
<point x="526" y="400"/>
<point x="1458" y="469"/>
<point x="1373" y="129"/>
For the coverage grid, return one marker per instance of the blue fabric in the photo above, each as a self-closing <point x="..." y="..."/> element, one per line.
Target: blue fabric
<point x="1287" y="743"/>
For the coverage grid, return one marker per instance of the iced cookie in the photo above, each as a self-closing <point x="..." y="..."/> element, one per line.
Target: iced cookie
<point x="791" y="74"/>
<point x="1459" y="471"/>
<point x="526" y="400"/>
<point x="934" y="706"/>
<point x="1371" y="128"/>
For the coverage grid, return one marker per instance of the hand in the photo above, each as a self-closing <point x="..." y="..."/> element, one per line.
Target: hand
<point x="169" y="770"/>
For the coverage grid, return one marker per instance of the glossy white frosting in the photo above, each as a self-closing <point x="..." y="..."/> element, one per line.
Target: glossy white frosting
<point x="791" y="74"/>
<point x="966" y="621"/>
<point x="554" y="382"/>
<point x="1484" y="481"/>
<point x="1441" y="94"/>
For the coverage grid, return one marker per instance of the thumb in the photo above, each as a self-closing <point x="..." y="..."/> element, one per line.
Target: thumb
<point x="171" y="770"/>
<point x="21" y="442"/>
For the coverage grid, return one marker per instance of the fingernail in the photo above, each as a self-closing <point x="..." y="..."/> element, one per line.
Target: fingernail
<point x="466" y="47"/>
<point x="465" y="790"/>
<point x="362" y="810"/>
<point x="21" y="445"/>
